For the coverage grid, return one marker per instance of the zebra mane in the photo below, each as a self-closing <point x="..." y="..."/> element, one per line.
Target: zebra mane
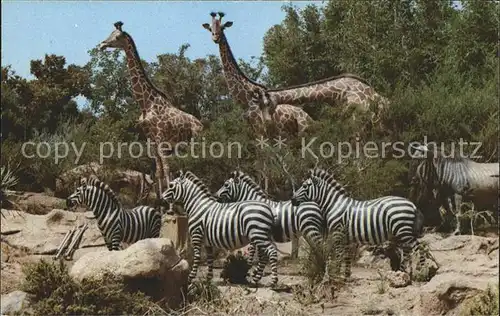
<point x="328" y="178"/>
<point x="95" y="182"/>
<point x="441" y="155"/>
<point x="199" y="183"/>
<point x="245" y="178"/>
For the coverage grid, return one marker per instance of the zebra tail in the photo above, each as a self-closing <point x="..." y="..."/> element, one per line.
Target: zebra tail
<point x="418" y="225"/>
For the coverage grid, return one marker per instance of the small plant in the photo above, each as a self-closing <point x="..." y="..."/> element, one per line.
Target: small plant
<point x="484" y="303"/>
<point x="428" y="271"/>
<point x="8" y="181"/>
<point x="203" y="292"/>
<point x="324" y="260"/>
<point x="235" y="269"/>
<point x="54" y="292"/>
<point x="382" y="285"/>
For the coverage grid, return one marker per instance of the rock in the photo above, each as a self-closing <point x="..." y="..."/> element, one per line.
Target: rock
<point x="14" y="302"/>
<point x="42" y="234"/>
<point x="398" y="279"/>
<point x="37" y="203"/>
<point x="153" y="265"/>
<point x="445" y="292"/>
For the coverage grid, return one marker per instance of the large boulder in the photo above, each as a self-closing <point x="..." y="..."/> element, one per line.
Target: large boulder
<point x="151" y="265"/>
<point x="36" y="203"/>
<point x="446" y="292"/>
<point x="14" y="302"/>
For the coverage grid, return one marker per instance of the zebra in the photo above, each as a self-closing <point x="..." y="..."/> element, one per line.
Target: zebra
<point x="456" y="178"/>
<point x="116" y="224"/>
<point x="226" y="226"/>
<point x="386" y="219"/>
<point x="305" y="220"/>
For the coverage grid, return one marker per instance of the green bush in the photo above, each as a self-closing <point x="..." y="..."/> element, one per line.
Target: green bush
<point x="56" y="293"/>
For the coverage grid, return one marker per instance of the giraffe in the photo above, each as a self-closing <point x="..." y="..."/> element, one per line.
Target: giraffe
<point x="163" y="124"/>
<point x="286" y="119"/>
<point x="346" y="89"/>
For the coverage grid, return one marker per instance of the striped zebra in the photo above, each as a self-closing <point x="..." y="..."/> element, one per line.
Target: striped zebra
<point x="116" y="224"/>
<point x="457" y="178"/>
<point x="389" y="218"/>
<point x="305" y="220"/>
<point x="223" y="225"/>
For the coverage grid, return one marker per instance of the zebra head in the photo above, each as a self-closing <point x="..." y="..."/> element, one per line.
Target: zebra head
<point x="78" y="196"/>
<point x="174" y="190"/>
<point x="306" y="192"/>
<point x="228" y="192"/>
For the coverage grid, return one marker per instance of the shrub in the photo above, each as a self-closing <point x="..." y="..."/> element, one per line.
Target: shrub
<point x="8" y="181"/>
<point x="319" y="258"/>
<point x="235" y="269"/>
<point x="484" y="303"/>
<point x="204" y="292"/>
<point x="55" y="293"/>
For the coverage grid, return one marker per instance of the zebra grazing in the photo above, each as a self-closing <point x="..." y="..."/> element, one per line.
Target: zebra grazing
<point x="456" y="178"/>
<point x="305" y="220"/>
<point x="223" y="225"/>
<point x="389" y="218"/>
<point x="116" y="224"/>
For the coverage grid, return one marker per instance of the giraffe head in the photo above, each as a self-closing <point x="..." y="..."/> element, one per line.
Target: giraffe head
<point x="216" y="27"/>
<point x="117" y="38"/>
<point x="260" y="98"/>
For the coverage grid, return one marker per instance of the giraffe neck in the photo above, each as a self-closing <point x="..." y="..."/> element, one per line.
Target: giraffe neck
<point x="313" y="93"/>
<point x="240" y="86"/>
<point x="142" y="87"/>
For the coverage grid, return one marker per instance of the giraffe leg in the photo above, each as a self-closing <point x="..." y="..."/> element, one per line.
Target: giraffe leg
<point x="166" y="178"/>
<point x="158" y="179"/>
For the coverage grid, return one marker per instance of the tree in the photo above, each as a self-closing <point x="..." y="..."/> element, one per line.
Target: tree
<point x="42" y="103"/>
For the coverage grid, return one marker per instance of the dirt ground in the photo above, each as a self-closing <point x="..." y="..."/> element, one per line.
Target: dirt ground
<point x="467" y="265"/>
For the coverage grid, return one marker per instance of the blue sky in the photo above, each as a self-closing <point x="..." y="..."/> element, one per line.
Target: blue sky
<point x="71" y="28"/>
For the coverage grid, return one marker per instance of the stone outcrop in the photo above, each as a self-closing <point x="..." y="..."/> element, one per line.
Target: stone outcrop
<point x="151" y="265"/>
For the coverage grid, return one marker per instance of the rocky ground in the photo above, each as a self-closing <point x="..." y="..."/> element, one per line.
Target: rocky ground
<point x="467" y="265"/>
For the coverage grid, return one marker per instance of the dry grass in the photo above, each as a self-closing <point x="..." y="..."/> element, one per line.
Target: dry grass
<point x="485" y="303"/>
<point x="324" y="260"/>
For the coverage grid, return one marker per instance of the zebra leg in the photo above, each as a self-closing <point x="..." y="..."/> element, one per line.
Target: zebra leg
<point x="272" y="254"/>
<point x="347" y="256"/>
<point x="210" y="262"/>
<point x="251" y="254"/>
<point x="108" y="243"/>
<point x="261" y="264"/>
<point x="114" y="240"/>
<point x="196" y="260"/>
